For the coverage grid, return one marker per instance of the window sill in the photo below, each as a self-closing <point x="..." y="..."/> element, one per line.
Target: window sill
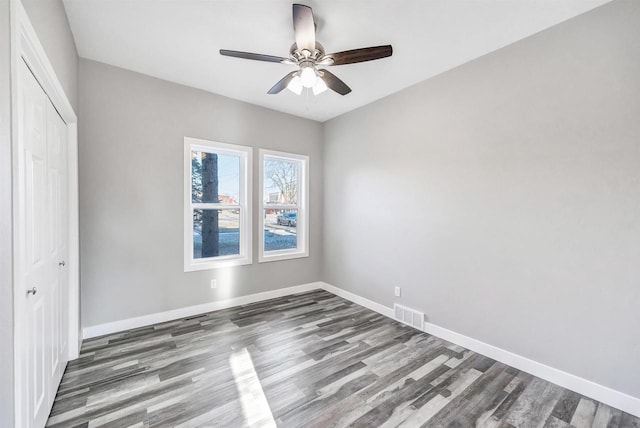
<point x="216" y="264"/>
<point x="275" y="256"/>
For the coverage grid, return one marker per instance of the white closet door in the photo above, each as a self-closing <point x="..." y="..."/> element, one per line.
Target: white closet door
<point x="34" y="254"/>
<point x="57" y="241"/>
<point x="42" y="248"/>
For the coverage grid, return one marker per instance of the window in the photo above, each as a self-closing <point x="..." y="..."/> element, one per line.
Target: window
<point x="217" y="191"/>
<point x="284" y="218"/>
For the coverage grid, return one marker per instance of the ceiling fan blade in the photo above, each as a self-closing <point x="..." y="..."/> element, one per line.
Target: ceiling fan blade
<point x="334" y="83"/>
<point x="304" y="27"/>
<point x="282" y="84"/>
<point x="361" y="55"/>
<point x="254" y="56"/>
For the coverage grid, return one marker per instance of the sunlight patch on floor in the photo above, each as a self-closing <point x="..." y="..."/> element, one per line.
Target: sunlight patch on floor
<point x="255" y="406"/>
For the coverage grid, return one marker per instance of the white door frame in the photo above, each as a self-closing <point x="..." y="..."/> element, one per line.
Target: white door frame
<point x="25" y="46"/>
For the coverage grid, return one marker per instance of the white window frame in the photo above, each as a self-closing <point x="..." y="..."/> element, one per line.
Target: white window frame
<point x="302" y="225"/>
<point x="244" y="205"/>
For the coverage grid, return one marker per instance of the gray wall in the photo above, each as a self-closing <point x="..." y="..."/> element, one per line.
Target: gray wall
<point x="6" y="252"/>
<point x="132" y="130"/>
<point x="503" y="197"/>
<point x="49" y="19"/>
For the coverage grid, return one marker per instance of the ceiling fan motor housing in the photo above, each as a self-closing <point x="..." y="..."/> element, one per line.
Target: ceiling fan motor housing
<point x="302" y="54"/>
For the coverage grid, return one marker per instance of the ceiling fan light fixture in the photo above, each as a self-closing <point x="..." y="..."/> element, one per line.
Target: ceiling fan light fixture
<point x="308" y="54"/>
<point x="295" y="85"/>
<point x="308" y="77"/>
<point x="319" y="87"/>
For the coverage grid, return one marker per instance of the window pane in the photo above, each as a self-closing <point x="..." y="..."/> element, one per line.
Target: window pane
<point x="215" y="178"/>
<point x="216" y="233"/>
<point x="280" y="230"/>
<point x="280" y="181"/>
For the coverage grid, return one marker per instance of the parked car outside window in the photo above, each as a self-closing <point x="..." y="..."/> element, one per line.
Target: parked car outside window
<point x="287" y="219"/>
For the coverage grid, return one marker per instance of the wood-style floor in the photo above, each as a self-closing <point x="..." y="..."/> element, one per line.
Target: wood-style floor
<point x="312" y="360"/>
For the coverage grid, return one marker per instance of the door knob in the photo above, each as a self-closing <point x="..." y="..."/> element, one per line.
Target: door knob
<point x="33" y="291"/>
<point x="62" y="263"/>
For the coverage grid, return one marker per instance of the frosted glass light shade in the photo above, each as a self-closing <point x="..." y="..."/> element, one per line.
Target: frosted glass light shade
<point x="295" y="85"/>
<point x="308" y="77"/>
<point x="319" y="87"/>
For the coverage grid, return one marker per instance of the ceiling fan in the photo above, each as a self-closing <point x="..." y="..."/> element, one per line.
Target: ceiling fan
<point x="307" y="54"/>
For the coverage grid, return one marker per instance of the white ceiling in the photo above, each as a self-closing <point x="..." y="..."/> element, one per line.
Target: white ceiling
<point x="179" y="40"/>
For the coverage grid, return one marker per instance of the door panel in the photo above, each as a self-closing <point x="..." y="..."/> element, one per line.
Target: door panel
<point x="35" y="179"/>
<point x="38" y="362"/>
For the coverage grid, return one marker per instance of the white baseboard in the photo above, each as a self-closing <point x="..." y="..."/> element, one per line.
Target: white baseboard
<point x="189" y="311"/>
<point x="369" y="304"/>
<point x="566" y="380"/>
<point x="580" y="385"/>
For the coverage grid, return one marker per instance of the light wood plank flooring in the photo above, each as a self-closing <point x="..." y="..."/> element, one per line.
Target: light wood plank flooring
<point x="312" y="360"/>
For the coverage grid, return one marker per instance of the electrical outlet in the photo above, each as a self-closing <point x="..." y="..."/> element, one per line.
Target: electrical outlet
<point x="214" y="283"/>
<point x="397" y="291"/>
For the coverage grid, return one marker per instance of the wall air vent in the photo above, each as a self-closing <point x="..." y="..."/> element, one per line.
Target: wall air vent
<point x="409" y="316"/>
